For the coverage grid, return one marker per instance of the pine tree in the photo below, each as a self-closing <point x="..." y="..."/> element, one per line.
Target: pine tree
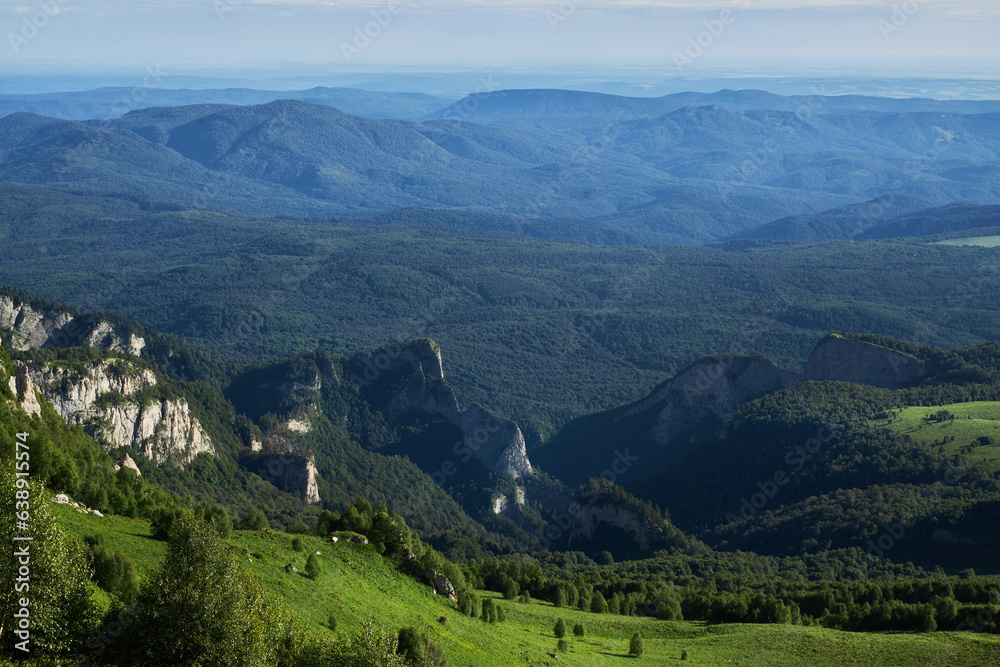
<point x="560" y="628"/>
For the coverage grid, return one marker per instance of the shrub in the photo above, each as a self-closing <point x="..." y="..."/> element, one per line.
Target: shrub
<point x="635" y="648"/>
<point x="419" y="650"/>
<point x="314" y="567"/>
<point x="579" y="630"/>
<point x="297" y="545"/>
<point x="562" y="646"/>
<point x="560" y="628"/>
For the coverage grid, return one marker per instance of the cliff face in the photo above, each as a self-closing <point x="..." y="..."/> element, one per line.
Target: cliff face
<point x="27" y="329"/>
<point x="290" y="471"/>
<point x="845" y="360"/>
<point x="589" y="518"/>
<point x="24" y="390"/>
<point x="703" y="398"/>
<point x="162" y="429"/>
<point x="496" y="442"/>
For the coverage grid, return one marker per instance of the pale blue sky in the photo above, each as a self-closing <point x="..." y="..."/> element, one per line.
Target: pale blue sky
<point x="508" y="32"/>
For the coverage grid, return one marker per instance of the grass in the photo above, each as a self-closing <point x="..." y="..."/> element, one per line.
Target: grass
<point x="981" y="241"/>
<point x="972" y="420"/>
<point x="357" y="583"/>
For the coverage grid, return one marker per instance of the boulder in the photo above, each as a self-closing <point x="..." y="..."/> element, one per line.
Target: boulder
<point x="440" y="584"/>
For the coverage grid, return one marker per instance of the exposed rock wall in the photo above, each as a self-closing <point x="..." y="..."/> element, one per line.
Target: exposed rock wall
<point x="588" y="518"/>
<point x="162" y="429"/>
<point x="290" y="471"/>
<point x="844" y="360"/>
<point x="27" y="329"/>
<point x="496" y="442"/>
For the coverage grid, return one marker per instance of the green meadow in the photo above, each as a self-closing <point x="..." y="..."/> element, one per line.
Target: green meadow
<point x="981" y="241"/>
<point x="953" y="436"/>
<point x="356" y="583"/>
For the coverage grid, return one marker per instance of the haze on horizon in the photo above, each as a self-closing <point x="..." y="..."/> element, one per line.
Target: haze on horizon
<point x="911" y="36"/>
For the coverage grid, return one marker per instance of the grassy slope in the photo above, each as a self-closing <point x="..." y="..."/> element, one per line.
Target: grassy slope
<point x="356" y="583"/>
<point x="985" y="420"/>
<point x="982" y="241"/>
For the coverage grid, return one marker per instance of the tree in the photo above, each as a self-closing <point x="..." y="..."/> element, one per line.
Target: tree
<point x="297" y="545"/>
<point x="560" y="597"/>
<point x="635" y="648"/>
<point x="61" y="612"/>
<point x="200" y="607"/>
<point x="598" y="604"/>
<point x="579" y="630"/>
<point x="254" y="519"/>
<point x="510" y="588"/>
<point x="314" y="567"/>
<point x="562" y="646"/>
<point x="560" y="628"/>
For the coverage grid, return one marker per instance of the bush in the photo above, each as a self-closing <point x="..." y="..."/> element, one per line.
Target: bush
<point x="635" y="648"/>
<point x="314" y="567"/>
<point x="331" y="622"/>
<point x="579" y="630"/>
<point x="562" y="646"/>
<point x="419" y="650"/>
<point x="297" y="545"/>
<point x="560" y="628"/>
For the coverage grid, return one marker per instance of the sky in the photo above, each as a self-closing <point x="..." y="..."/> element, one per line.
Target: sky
<point x="678" y="35"/>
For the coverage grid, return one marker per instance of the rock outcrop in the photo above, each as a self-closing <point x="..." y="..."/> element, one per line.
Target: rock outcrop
<point x="25" y="328"/>
<point x="838" y="359"/>
<point x="290" y="471"/>
<point x="700" y="400"/>
<point x="73" y="394"/>
<point x="162" y="429"/>
<point x="697" y="404"/>
<point x="440" y="584"/>
<point x="496" y="442"/>
<point x="128" y="463"/>
<point x="589" y="518"/>
<point x="24" y="389"/>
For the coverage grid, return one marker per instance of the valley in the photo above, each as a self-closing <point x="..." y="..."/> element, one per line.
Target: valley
<point x="377" y="378"/>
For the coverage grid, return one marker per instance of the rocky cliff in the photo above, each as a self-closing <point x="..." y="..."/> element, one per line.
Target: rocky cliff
<point x="289" y="471"/>
<point x="111" y="400"/>
<point x="695" y="406"/>
<point x="415" y="371"/>
<point x="846" y="360"/>
<point x="24" y="328"/>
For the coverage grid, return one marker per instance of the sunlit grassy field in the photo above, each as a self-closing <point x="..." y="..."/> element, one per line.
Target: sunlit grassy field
<point x="972" y="421"/>
<point x="356" y="584"/>
<point x="981" y="241"/>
